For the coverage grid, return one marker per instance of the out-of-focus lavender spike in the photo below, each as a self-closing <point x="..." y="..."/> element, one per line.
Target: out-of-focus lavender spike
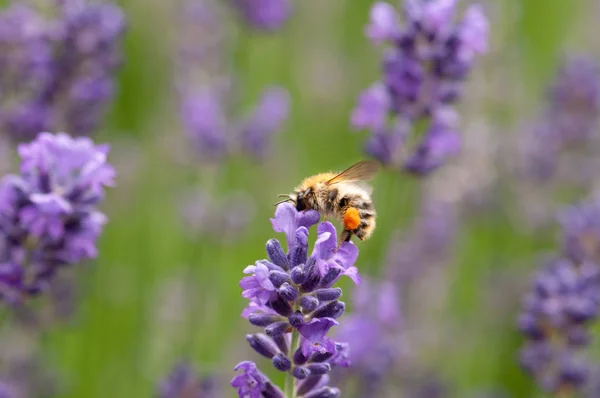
<point x="184" y="382"/>
<point x="58" y="74"/>
<point x="267" y="15"/>
<point x="563" y="300"/>
<point x="267" y="118"/>
<point x="204" y="86"/>
<point x="48" y="215"/>
<point x="373" y="331"/>
<point x="559" y="148"/>
<point x="427" y="244"/>
<point x="424" y="69"/>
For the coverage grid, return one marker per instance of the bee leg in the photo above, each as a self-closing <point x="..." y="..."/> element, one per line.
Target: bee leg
<point x="344" y="237"/>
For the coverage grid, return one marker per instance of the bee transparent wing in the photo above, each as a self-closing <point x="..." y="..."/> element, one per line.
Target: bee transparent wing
<point x="361" y="171"/>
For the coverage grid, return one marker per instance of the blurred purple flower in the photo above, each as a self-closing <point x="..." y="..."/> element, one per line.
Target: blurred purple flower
<point x="372" y="332"/>
<point x="205" y="91"/>
<point x="268" y="15"/>
<point x="292" y="296"/>
<point x="428" y="242"/>
<point x="48" y="215"/>
<point x="57" y="74"/>
<point x="423" y="74"/>
<point x="581" y="231"/>
<point x="563" y="300"/>
<point x="564" y="135"/>
<point x="183" y="382"/>
<point x="268" y="117"/>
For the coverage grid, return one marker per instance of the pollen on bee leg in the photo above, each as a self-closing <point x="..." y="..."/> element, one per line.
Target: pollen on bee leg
<point x="351" y="219"/>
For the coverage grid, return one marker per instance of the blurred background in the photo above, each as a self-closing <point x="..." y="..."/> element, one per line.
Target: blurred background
<point x="461" y="243"/>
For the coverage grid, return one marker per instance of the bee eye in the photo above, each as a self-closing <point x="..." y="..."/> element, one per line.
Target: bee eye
<point x="300" y="204"/>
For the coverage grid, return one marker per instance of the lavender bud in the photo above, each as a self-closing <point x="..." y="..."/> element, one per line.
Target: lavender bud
<point x="319" y="368"/>
<point x="308" y="303"/>
<point x="298" y="275"/>
<point x="270" y="391"/>
<point x="270" y="266"/>
<point x="288" y="292"/>
<point x="263" y="319"/>
<point x="281" y="343"/>
<point x="277" y="255"/>
<point x="277" y="329"/>
<point x="329" y="294"/>
<point x="300" y="250"/>
<point x="281" y="306"/>
<point x="300" y="372"/>
<point x="307" y="385"/>
<point x="278" y="278"/>
<point x="321" y="356"/>
<point x="325" y="392"/>
<point x="330" y="277"/>
<point x="312" y="280"/>
<point x="262" y="344"/>
<point x="281" y="363"/>
<point x="333" y="309"/>
<point x="299" y="358"/>
<point x="296" y="319"/>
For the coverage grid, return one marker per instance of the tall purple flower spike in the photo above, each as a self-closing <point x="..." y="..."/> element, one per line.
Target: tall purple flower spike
<point x="424" y="69"/>
<point x="292" y="296"/>
<point x="207" y="105"/>
<point x="266" y="15"/>
<point x="60" y="71"/>
<point x="48" y="215"/>
<point x="563" y="301"/>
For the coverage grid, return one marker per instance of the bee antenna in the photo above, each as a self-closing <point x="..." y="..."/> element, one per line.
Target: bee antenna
<point x="283" y="195"/>
<point x="283" y="201"/>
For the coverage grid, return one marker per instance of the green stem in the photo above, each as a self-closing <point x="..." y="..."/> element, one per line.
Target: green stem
<point x="290" y="390"/>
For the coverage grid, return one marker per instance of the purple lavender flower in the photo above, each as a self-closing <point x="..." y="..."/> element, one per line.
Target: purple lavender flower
<point x="423" y="74"/>
<point x="48" y="215"/>
<point x="268" y="117"/>
<point x="563" y="300"/>
<point x="57" y="74"/>
<point x="205" y="91"/>
<point x="268" y="15"/>
<point x="251" y="383"/>
<point x="183" y="382"/>
<point x="372" y="331"/>
<point x="558" y="145"/>
<point x="581" y="229"/>
<point x="292" y="296"/>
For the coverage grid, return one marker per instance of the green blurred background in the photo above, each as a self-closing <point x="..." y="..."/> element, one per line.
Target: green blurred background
<point x="158" y="294"/>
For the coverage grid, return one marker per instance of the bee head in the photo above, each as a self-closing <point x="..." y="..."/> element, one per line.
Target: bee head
<point x="304" y="199"/>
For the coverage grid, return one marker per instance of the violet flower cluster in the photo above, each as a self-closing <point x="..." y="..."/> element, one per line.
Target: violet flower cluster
<point x="564" y="300"/>
<point x="292" y="297"/>
<point x="184" y="382"/>
<point x="424" y="69"/>
<point x="57" y="74"/>
<point x="265" y="15"/>
<point x="373" y="331"/>
<point x="555" y="149"/>
<point x="48" y="213"/>
<point x="214" y="128"/>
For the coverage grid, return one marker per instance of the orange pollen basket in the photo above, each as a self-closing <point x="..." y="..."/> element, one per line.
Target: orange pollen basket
<point x="351" y="219"/>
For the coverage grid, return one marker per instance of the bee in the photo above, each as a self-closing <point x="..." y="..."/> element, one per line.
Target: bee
<point x="341" y="196"/>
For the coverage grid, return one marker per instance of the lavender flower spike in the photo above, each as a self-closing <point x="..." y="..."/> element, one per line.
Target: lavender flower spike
<point x="48" y="215"/>
<point x="564" y="299"/>
<point x="267" y="15"/>
<point x="292" y="296"/>
<point x="424" y="70"/>
<point x="57" y="74"/>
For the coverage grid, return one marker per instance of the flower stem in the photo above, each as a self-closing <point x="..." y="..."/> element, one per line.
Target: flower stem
<point x="290" y="390"/>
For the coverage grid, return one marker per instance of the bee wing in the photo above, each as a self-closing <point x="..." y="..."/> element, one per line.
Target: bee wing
<point x="361" y="171"/>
